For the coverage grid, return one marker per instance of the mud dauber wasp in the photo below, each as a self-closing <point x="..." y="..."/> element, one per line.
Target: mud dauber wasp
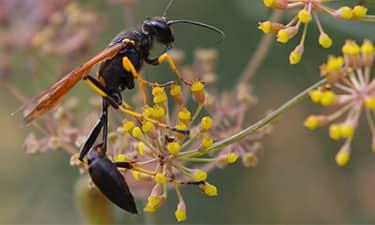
<point x="120" y="63"/>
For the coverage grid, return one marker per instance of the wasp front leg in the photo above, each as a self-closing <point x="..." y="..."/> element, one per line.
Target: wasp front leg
<point x="172" y="65"/>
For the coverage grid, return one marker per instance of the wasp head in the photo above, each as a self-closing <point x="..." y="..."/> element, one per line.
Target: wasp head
<point x="158" y="28"/>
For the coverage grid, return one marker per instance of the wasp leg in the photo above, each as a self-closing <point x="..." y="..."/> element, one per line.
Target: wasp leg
<point x="165" y="57"/>
<point x="105" y="106"/>
<point x="128" y="65"/>
<point x="98" y="88"/>
<point x="90" y="140"/>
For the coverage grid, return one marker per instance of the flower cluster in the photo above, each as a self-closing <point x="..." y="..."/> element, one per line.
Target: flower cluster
<point x="351" y="90"/>
<point x="71" y="29"/>
<point x="307" y="12"/>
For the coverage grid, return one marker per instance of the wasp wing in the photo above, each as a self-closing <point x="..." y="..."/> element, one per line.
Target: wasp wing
<point x="49" y="98"/>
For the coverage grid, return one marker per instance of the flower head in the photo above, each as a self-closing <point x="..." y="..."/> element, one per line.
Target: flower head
<point x="351" y="91"/>
<point x="308" y="12"/>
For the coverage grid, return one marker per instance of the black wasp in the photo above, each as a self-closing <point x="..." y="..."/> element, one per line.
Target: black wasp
<point x="119" y="66"/>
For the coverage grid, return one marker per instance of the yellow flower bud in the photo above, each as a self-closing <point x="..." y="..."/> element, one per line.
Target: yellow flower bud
<point x="200" y="175"/>
<point x="121" y="158"/>
<point x="158" y="112"/>
<point x="334" y="63"/>
<point x="359" y="11"/>
<point x="137" y="175"/>
<point x="335" y="132"/>
<point x="158" y="91"/>
<point x="209" y="189"/>
<point x="312" y="122"/>
<point x="207" y="142"/>
<point x="128" y="125"/>
<point x="284" y="35"/>
<point x="342" y="158"/>
<point x="269" y="27"/>
<point x="304" y="16"/>
<point x="148" y="111"/>
<point x="180" y="212"/>
<point x="346" y="130"/>
<point x="265" y="27"/>
<point x="329" y="98"/>
<point x="184" y="115"/>
<point x="173" y="148"/>
<point x="351" y="48"/>
<point x="141" y="148"/>
<point x="232" y="157"/>
<point x="367" y="48"/>
<point x="160" y="178"/>
<point x="370" y="102"/>
<point x="296" y="55"/>
<point x="147" y="126"/>
<point x="316" y="95"/>
<point x="325" y="41"/>
<point x="344" y="12"/>
<point x="206" y="123"/>
<point x="137" y="133"/>
<point x="159" y="99"/>
<point x="198" y="91"/>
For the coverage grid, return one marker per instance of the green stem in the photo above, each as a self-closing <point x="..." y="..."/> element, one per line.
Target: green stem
<point x="263" y="122"/>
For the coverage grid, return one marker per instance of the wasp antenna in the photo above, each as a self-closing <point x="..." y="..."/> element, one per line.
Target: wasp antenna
<point x="167" y="8"/>
<point x="200" y="24"/>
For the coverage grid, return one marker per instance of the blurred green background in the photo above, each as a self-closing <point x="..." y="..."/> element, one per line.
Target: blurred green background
<point x="296" y="181"/>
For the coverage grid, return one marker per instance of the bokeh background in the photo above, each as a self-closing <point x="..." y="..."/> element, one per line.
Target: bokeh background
<point x="296" y="181"/>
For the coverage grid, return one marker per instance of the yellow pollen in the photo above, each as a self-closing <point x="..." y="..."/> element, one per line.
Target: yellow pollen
<point x="158" y="91"/>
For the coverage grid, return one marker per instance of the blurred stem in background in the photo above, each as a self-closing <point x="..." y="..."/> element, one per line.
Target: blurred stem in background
<point x="261" y="52"/>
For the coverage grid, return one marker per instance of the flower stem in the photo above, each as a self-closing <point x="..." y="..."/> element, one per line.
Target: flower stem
<point x="263" y="122"/>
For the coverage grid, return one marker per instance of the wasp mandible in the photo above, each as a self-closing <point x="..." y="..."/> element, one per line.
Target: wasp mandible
<point x="120" y="64"/>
